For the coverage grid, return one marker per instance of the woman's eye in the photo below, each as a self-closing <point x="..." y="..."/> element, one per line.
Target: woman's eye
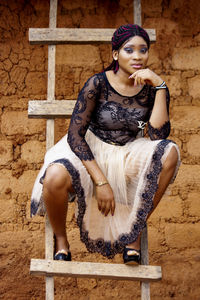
<point x="143" y="50"/>
<point x="129" y="50"/>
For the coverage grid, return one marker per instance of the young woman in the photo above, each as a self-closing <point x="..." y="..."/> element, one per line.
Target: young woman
<point x="117" y="175"/>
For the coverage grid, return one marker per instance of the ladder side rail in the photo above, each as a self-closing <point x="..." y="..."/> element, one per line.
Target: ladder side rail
<point x="137" y="12"/>
<point x="145" y="286"/>
<point x="50" y="142"/>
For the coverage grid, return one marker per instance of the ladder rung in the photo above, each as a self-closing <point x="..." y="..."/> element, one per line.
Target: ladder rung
<point x="50" y="110"/>
<point x="95" y="270"/>
<point x="75" y="35"/>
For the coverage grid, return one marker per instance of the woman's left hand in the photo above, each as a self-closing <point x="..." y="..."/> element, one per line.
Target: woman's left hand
<point x="144" y="76"/>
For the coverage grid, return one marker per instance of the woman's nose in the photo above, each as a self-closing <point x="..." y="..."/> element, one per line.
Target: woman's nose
<point x="136" y="55"/>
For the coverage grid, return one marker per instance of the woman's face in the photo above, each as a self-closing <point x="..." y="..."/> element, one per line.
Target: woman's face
<point x="133" y="55"/>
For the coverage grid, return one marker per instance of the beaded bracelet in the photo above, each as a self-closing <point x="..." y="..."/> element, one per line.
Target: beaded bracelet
<point x="101" y="183"/>
<point x="161" y="86"/>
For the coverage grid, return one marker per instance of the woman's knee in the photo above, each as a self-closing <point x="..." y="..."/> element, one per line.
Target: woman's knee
<point x="56" y="178"/>
<point x="171" y="160"/>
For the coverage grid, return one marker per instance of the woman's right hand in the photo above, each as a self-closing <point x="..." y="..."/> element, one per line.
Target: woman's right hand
<point x="105" y="199"/>
<point x="104" y="193"/>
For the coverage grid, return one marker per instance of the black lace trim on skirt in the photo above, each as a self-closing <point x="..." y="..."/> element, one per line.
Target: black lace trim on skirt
<point x="105" y="247"/>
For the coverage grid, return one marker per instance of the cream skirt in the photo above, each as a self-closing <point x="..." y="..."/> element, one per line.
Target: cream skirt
<point x="133" y="172"/>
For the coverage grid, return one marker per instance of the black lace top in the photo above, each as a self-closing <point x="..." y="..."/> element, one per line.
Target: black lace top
<point x="114" y="118"/>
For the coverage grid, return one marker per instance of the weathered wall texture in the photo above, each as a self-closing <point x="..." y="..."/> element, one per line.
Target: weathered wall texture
<point x="174" y="228"/>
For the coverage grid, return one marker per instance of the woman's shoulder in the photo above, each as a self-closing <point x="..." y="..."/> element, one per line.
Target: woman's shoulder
<point x="98" y="77"/>
<point x="96" y="80"/>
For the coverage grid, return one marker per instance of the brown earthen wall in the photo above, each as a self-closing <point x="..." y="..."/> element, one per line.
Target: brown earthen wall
<point x="174" y="228"/>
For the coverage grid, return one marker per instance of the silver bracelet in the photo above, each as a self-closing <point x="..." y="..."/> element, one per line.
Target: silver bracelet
<point x="161" y="86"/>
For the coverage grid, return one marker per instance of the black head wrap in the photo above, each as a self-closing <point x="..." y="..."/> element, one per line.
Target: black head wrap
<point x="121" y="35"/>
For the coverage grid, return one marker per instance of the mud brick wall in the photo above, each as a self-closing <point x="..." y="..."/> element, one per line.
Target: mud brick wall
<point x="174" y="228"/>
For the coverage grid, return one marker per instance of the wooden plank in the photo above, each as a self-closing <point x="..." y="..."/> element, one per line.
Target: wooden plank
<point x="51" y="73"/>
<point x="52" y="53"/>
<point x="49" y="133"/>
<point x="48" y="238"/>
<point x="53" y="13"/>
<point x="47" y="109"/>
<point x="145" y="286"/>
<point x="144" y="247"/>
<point x="145" y="291"/>
<point x="49" y="288"/>
<point x="137" y="12"/>
<point x="95" y="270"/>
<point x="49" y="281"/>
<point x="75" y="35"/>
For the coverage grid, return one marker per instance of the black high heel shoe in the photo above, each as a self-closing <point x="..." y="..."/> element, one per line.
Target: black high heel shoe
<point x="131" y="256"/>
<point x="61" y="254"/>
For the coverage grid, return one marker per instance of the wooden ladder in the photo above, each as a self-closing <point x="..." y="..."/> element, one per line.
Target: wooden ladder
<point x="51" y="109"/>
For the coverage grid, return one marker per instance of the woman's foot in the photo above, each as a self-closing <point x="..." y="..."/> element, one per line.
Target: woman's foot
<point x="132" y="253"/>
<point x="63" y="255"/>
<point x="131" y="256"/>
<point x="61" y="248"/>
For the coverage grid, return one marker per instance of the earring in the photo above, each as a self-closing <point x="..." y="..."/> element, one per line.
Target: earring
<point x="116" y="68"/>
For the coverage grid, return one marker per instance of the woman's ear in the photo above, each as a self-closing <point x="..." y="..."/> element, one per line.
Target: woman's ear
<point x="115" y="54"/>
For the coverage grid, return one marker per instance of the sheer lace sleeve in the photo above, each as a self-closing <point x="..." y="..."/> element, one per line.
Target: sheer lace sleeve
<point x="81" y="118"/>
<point x="164" y="131"/>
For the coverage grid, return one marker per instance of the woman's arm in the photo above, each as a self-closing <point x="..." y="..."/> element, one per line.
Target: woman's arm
<point x="79" y="124"/>
<point x="159" y="124"/>
<point x="159" y="113"/>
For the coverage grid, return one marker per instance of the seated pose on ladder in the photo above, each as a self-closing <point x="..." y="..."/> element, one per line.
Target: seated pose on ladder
<point x="117" y="175"/>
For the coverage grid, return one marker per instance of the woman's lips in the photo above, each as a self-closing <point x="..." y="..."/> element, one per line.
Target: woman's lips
<point x="138" y="66"/>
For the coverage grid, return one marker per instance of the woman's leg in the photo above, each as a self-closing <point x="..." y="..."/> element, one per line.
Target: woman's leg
<point x="56" y="185"/>
<point x="166" y="175"/>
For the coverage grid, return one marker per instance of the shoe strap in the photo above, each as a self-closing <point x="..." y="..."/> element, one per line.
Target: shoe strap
<point x="131" y="251"/>
<point x="62" y="251"/>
